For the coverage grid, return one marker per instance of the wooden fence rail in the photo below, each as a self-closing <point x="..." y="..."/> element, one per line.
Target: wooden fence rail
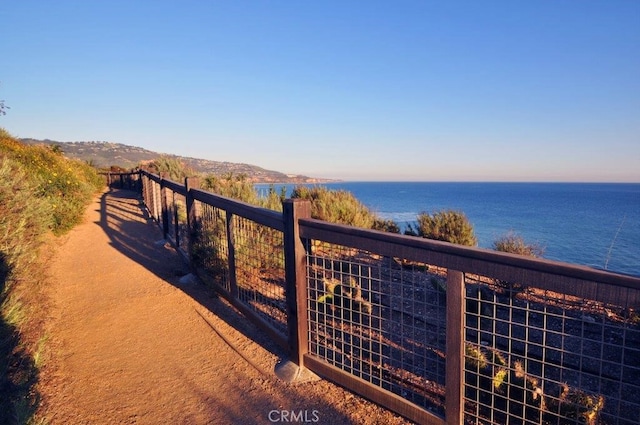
<point x="439" y="333"/>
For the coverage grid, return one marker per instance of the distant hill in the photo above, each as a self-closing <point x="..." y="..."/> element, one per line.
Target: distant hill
<point x="107" y="154"/>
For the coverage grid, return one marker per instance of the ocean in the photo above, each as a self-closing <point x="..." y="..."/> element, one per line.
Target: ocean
<point x="592" y="224"/>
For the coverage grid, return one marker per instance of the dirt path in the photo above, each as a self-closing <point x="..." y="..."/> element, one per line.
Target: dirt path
<point x="128" y="343"/>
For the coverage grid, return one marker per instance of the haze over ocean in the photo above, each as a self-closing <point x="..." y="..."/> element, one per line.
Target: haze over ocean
<point x="593" y="224"/>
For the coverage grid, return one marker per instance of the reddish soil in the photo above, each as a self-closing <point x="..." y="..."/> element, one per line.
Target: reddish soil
<point x="128" y="343"/>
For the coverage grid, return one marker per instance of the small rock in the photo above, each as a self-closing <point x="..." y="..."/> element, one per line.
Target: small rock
<point x="188" y="279"/>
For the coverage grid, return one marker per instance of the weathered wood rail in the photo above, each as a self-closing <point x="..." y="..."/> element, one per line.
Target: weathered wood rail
<point x="437" y="332"/>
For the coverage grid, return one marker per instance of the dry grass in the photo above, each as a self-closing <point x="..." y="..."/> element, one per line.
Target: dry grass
<point x="41" y="194"/>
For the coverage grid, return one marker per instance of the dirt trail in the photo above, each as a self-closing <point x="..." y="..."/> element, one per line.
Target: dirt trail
<point x="127" y="342"/>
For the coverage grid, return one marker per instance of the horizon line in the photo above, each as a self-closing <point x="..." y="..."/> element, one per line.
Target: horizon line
<point x="331" y="181"/>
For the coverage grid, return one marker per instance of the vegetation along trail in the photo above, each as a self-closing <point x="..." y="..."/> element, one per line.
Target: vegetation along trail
<point x="127" y="342"/>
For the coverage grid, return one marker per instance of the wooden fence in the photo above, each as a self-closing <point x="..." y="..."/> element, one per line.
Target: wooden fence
<point x="436" y="332"/>
<point x="127" y="180"/>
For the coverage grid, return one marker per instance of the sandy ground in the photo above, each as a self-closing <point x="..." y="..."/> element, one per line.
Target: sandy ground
<point x="129" y="344"/>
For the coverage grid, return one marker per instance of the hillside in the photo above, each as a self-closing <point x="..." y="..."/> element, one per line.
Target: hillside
<point x="106" y="154"/>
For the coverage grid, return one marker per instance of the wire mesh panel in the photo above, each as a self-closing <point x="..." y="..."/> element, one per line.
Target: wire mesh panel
<point x="209" y="249"/>
<point x="171" y="215"/>
<point x="379" y="319"/>
<point x="260" y="273"/>
<point x="148" y="196"/>
<point x="534" y="356"/>
<point x="178" y="218"/>
<point x="531" y="353"/>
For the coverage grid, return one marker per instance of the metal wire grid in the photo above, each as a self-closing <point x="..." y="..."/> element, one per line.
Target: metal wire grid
<point x="260" y="272"/>
<point x="209" y="250"/>
<point x="178" y="220"/>
<point x="183" y="229"/>
<point x="149" y="194"/>
<point x="537" y="357"/>
<point x="171" y="211"/>
<point x="146" y="198"/>
<point x="379" y="319"/>
<point x="133" y="181"/>
<point x="129" y="181"/>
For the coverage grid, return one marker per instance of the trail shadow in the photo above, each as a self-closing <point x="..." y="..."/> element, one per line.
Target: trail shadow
<point x="133" y="233"/>
<point x="19" y="375"/>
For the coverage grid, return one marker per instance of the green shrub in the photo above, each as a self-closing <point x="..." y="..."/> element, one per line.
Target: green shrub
<point x="449" y="226"/>
<point x="492" y="381"/>
<point x="580" y="405"/>
<point x="329" y="205"/>
<point x="24" y="219"/>
<point x="176" y="170"/>
<point x="66" y="185"/>
<point x="474" y="357"/>
<point x="335" y="206"/>
<point x="344" y="300"/>
<point x="389" y="226"/>
<point x="273" y="200"/>
<point x="340" y="206"/>
<point x="232" y="186"/>
<point x="40" y="191"/>
<point x="205" y="248"/>
<point x="515" y="244"/>
<point x="251" y="238"/>
<point x="239" y="187"/>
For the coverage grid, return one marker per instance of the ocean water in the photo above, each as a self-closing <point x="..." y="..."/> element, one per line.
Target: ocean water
<point x="593" y="224"/>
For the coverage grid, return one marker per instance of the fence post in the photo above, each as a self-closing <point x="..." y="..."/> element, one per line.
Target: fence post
<point x="144" y="192"/>
<point x="139" y="181"/>
<point x="176" y="221"/>
<point x="193" y="215"/>
<point x="147" y="193"/>
<point x="153" y="194"/>
<point x="231" y="256"/>
<point x="454" y="388"/>
<point x="165" y="206"/>
<point x="295" y="276"/>
<point x="157" y="187"/>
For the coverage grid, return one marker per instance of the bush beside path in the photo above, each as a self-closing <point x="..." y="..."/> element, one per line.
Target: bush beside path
<point x="127" y="342"/>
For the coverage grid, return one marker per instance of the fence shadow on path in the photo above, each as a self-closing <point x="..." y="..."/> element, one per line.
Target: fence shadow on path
<point x="132" y="232"/>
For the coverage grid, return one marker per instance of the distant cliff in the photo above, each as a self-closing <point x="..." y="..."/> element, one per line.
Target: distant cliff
<point x="106" y="154"/>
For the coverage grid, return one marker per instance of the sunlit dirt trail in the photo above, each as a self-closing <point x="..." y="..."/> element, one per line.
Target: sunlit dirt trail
<point x="129" y="343"/>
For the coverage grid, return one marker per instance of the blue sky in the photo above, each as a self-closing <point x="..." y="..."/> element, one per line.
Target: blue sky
<point x="395" y="90"/>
